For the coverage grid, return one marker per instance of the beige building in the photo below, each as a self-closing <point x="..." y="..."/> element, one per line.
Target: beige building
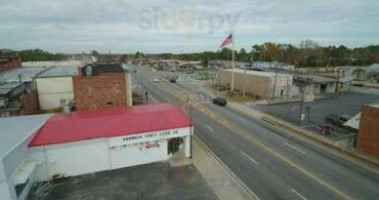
<point x="259" y="83"/>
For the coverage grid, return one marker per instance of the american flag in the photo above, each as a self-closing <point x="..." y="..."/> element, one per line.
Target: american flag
<point x="227" y="40"/>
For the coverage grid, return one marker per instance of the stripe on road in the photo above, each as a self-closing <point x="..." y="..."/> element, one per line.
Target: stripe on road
<point x="209" y="128"/>
<point x="298" y="194"/>
<point x="295" y="148"/>
<point x="250" y="158"/>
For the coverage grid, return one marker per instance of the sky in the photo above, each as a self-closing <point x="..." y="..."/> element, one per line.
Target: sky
<point x="182" y="26"/>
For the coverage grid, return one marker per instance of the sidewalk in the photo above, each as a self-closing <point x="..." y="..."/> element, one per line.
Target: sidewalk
<point x="223" y="182"/>
<point x="301" y="133"/>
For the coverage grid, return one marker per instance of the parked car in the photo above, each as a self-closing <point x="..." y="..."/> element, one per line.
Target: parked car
<point x="358" y="84"/>
<point x="219" y="101"/>
<point x="156" y="80"/>
<point x="337" y="120"/>
<point x="173" y="80"/>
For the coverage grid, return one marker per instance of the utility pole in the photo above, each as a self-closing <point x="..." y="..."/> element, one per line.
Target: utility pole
<point x="244" y="83"/>
<point x="302" y="83"/>
<point x="337" y="80"/>
<point x="275" y="79"/>
<point x="301" y="105"/>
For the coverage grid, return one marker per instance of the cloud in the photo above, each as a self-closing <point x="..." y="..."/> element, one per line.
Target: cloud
<point x="183" y="26"/>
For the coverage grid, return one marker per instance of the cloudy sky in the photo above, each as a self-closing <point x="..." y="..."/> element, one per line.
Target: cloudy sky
<point x="183" y="26"/>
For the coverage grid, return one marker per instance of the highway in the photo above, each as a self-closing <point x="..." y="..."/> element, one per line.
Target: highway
<point x="270" y="162"/>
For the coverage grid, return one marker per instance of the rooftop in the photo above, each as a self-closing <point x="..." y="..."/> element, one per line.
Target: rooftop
<point x="257" y="73"/>
<point x="318" y="79"/>
<point x="60" y="71"/>
<point x="100" y="68"/>
<point x="76" y="63"/>
<point x="110" y="122"/>
<point x="26" y="73"/>
<point x="5" y="88"/>
<point x="16" y="129"/>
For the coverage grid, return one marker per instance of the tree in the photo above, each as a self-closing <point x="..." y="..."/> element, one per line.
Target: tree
<point x="94" y="53"/>
<point x="138" y="55"/>
<point x="358" y="72"/>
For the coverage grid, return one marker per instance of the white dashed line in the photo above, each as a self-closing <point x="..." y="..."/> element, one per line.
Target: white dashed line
<point x="295" y="148"/>
<point x="250" y="158"/>
<point x="298" y="194"/>
<point x="209" y="128"/>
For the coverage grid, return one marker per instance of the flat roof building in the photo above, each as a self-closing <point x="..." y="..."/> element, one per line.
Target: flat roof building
<point x="38" y="148"/>
<point x="258" y="83"/>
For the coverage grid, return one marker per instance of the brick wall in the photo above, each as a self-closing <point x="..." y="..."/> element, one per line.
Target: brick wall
<point x="12" y="63"/>
<point x="97" y="92"/>
<point x="368" y="137"/>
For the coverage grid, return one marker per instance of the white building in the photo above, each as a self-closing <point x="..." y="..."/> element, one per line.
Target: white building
<point x="16" y="168"/>
<point x="54" y="86"/>
<point x="260" y="83"/>
<point x="87" y="142"/>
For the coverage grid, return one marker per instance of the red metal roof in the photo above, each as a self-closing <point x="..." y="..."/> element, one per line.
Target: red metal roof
<point x="110" y="122"/>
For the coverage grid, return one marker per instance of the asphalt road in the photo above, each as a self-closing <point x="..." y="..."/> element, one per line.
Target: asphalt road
<point x="272" y="164"/>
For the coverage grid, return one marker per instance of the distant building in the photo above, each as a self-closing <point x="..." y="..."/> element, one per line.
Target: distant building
<point x="9" y="62"/>
<point x="264" y="83"/>
<point x="55" y="88"/>
<point x="368" y="136"/>
<point x="18" y="95"/>
<point x="259" y="83"/>
<point x="318" y="85"/>
<point x="102" y="85"/>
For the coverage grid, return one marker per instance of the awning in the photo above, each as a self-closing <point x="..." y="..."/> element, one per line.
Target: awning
<point x="23" y="172"/>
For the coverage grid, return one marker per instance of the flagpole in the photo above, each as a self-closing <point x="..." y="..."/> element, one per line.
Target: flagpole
<point x="232" y="84"/>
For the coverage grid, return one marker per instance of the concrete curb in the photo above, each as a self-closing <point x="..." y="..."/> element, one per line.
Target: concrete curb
<point x="242" y="187"/>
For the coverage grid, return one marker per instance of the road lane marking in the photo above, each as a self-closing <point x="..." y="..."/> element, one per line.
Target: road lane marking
<point x="250" y="158"/>
<point x="207" y="149"/>
<point x="209" y="128"/>
<point x="253" y="140"/>
<point x="294" y="148"/>
<point x="298" y="194"/>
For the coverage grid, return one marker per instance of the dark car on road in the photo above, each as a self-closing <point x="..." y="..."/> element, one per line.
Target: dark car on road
<point x="219" y="101"/>
<point x="173" y="80"/>
<point x="336" y="120"/>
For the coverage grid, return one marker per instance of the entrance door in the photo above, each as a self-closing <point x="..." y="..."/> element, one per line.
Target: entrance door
<point x="173" y="145"/>
<point x="323" y="88"/>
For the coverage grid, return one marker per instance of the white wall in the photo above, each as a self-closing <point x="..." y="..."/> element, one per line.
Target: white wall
<point x="77" y="158"/>
<point x="52" y="89"/>
<point x="4" y="189"/>
<point x="137" y="154"/>
<point x="11" y="163"/>
<point x="70" y="159"/>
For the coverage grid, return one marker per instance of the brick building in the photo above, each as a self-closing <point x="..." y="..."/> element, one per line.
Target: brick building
<point x="9" y="62"/>
<point x="102" y="85"/>
<point x="368" y="136"/>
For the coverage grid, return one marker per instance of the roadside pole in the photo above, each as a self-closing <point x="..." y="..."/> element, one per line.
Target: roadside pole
<point x="275" y="78"/>
<point x="244" y="83"/>
<point x="232" y="84"/>
<point x="190" y="101"/>
<point x="301" y="106"/>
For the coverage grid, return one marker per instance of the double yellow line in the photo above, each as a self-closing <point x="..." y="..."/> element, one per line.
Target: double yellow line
<point x="243" y="133"/>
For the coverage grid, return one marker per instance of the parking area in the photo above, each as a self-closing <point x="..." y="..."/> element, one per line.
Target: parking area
<point x="151" y="181"/>
<point x="341" y="104"/>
